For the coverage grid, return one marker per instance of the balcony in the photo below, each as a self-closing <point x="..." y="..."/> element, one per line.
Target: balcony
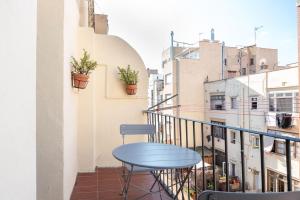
<point x="54" y="136"/>
<point x="217" y="172"/>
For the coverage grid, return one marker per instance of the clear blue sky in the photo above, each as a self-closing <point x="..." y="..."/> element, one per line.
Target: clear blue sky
<point x="146" y="24"/>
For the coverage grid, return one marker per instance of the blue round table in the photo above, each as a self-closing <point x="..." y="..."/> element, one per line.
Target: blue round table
<point x="156" y="156"/>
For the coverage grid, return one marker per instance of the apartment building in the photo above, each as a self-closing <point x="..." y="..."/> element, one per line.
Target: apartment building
<point x="155" y="87"/>
<point x="265" y="101"/>
<point x="186" y="67"/>
<point x="249" y="60"/>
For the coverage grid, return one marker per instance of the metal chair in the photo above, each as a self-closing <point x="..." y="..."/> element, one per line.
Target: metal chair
<point x="214" y="195"/>
<point x="138" y="129"/>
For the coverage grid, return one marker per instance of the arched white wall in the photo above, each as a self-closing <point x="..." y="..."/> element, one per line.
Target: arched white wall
<point x="104" y="105"/>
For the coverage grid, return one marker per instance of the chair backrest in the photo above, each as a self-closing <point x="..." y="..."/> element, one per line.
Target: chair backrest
<point x="213" y="195"/>
<point x="137" y="129"/>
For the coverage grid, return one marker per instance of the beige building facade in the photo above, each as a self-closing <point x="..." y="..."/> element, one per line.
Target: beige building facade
<point x="186" y="69"/>
<point x="253" y="102"/>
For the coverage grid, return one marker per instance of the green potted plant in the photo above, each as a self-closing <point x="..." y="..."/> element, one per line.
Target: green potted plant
<point x="130" y="78"/>
<point x="82" y="69"/>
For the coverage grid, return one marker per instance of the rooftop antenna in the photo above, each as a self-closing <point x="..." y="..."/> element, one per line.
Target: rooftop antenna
<point x="212" y="34"/>
<point x="172" y="45"/>
<point x="255" y="30"/>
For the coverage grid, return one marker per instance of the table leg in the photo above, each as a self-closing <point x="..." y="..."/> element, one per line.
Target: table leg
<point x="127" y="183"/>
<point x="183" y="182"/>
<point x="156" y="180"/>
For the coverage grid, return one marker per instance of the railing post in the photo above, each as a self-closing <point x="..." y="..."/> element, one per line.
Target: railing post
<point x="158" y="128"/>
<point x="162" y="128"/>
<point x="187" y="146"/>
<point x="186" y="135"/>
<point x="288" y="164"/>
<point x="148" y="122"/>
<point x="180" y="141"/>
<point x="180" y="136"/>
<point x="170" y="136"/>
<point x="174" y="121"/>
<point x="213" y="156"/>
<point x="155" y="124"/>
<point x="226" y="160"/>
<point x="243" y="161"/>
<point x="194" y="145"/>
<point x="166" y="142"/>
<point x="203" y="156"/>
<point x="174" y="124"/>
<point x="262" y="163"/>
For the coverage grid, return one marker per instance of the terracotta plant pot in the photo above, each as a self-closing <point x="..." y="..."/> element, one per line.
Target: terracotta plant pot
<point x="193" y="195"/>
<point x="80" y="80"/>
<point x="131" y="89"/>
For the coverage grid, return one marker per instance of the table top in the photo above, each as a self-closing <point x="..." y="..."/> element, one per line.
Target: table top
<point x="156" y="155"/>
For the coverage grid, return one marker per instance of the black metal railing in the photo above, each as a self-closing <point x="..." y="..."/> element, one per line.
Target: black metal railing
<point x="191" y="133"/>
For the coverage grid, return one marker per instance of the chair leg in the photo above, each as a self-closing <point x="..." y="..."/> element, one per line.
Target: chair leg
<point x="126" y="184"/>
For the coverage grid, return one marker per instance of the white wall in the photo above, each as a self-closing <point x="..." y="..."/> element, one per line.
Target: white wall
<point x="18" y="82"/>
<point x="71" y="23"/>
<point x="104" y="105"/>
<point x="50" y="100"/>
<point x="56" y="101"/>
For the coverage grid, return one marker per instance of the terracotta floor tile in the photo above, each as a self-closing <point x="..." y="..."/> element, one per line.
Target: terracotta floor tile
<point x="106" y="184"/>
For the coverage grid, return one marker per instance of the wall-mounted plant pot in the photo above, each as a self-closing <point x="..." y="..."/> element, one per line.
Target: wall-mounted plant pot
<point x="131" y="89"/>
<point x="80" y="81"/>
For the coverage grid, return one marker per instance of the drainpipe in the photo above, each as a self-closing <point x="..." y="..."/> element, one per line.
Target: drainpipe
<point x="223" y="70"/>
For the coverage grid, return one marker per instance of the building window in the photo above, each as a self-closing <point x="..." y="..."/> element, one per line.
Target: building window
<point x="253" y="103"/>
<point x="271" y="102"/>
<point x="225" y="61"/>
<point x="251" y="61"/>
<point x="284" y="105"/>
<point x="255" y="141"/>
<point x="243" y="71"/>
<point x="168" y="79"/>
<point x="169" y="102"/>
<point x="160" y="98"/>
<point x="263" y="66"/>
<point x="232" y="169"/>
<point x="192" y="55"/>
<point x="232" y="137"/>
<point x="231" y="74"/>
<point x="217" y="102"/>
<point x="279" y="147"/>
<point x="234" y="103"/>
<point x="218" y="132"/>
<point x="282" y="102"/>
